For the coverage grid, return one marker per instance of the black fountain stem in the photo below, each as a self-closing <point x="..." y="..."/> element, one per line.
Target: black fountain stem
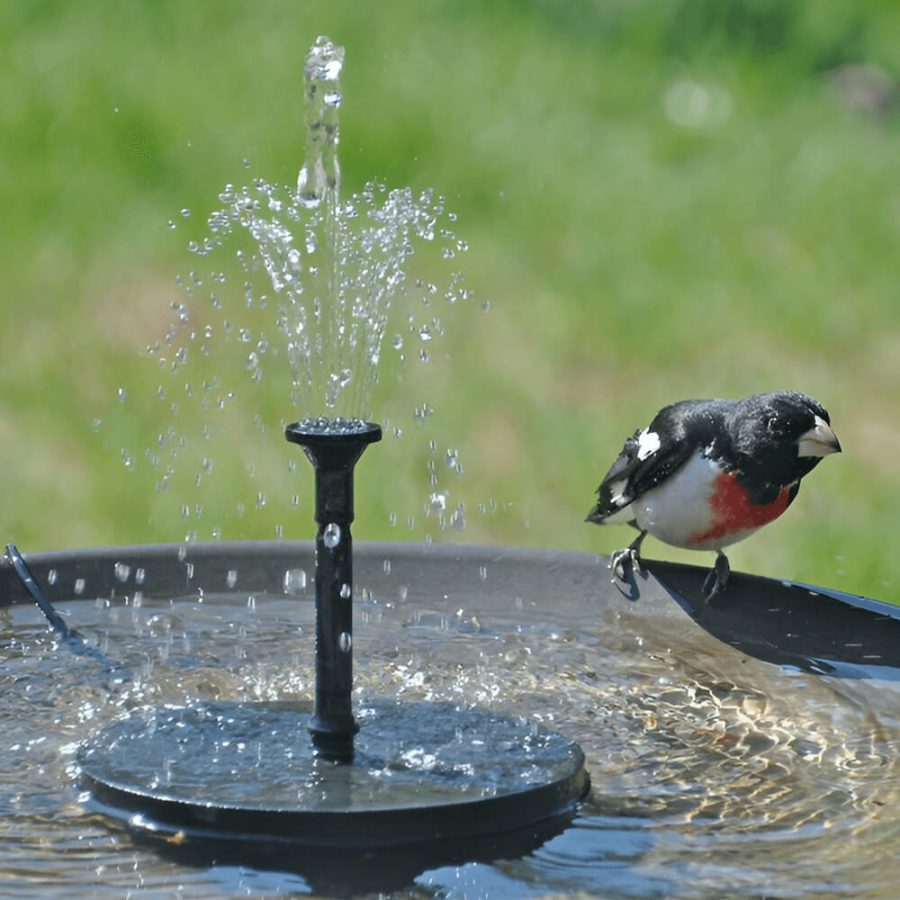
<point x="333" y="453"/>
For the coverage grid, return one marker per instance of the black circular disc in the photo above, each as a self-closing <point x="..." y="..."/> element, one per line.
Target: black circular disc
<point x="421" y="772"/>
<point x="331" y="432"/>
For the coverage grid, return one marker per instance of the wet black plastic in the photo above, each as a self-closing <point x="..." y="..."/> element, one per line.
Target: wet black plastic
<point x="333" y="453"/>
<point x="68" y="636"/>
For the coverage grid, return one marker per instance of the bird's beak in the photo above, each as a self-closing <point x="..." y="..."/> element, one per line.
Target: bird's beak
<point x="820" y="440"/>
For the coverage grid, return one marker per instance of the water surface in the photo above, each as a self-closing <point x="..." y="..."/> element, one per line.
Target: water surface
<point x="713" y="772"/>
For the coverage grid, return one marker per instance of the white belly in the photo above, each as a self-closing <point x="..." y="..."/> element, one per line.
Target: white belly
<point x="678" y="510"/>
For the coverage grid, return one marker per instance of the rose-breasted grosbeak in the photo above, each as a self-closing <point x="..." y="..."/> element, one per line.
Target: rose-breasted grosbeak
<point x="707" y="473"/>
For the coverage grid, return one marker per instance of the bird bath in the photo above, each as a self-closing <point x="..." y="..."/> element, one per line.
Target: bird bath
<point x="713" y="770"/>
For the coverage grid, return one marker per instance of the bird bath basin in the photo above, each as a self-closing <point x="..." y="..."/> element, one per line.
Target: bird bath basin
<point x="747" y="747"/>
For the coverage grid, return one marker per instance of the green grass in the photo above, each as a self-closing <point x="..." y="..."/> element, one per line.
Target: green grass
<point x="629" y="260"/>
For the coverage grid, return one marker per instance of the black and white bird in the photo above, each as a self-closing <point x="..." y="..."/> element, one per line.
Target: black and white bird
<point x="708" y="473"/>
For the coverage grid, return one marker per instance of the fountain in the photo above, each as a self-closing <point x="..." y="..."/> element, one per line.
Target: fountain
<point x="731" y="746"/>
<point x="418" y="773"/>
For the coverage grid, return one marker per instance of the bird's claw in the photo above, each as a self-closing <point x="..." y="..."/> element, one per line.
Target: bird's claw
<point x="623" y="560"/>
<point x="717" y="579"/>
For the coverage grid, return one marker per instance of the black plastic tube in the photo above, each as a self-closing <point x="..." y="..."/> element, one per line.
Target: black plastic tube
<point x="334" y="452"/>
<point x="68" y="636"/>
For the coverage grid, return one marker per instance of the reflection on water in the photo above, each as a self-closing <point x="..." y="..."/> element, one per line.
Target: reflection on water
<point x="712" y="771"/>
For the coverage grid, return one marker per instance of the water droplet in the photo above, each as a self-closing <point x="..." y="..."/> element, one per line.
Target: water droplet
<point x="122" y="571"/>
<point x="140" y="576"/>
<point x="52" y="575"/>
<point x="452" y="460"/>
<point x="386" y="565"/>
<point x="185" y="212"/>
<point x="294" y="581"/>
<point x="458" y="517"/>
<point x="346" y="591"/>
<point x="231" y="578"/>
<point x="79" y="587"/>
<point x="121" y="394"/>
<point x="345" y="641"/>
<point x="331" y="537"/>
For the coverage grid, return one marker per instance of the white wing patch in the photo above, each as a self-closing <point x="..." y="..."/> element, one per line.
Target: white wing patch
<point x="648" y="444"/>
<point x="617" y="492"/>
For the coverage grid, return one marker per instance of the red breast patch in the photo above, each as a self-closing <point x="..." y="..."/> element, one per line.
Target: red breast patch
<point x="733" y="511"/>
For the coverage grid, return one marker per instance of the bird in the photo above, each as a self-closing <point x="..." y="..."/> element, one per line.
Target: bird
<point x="705" y="474"/>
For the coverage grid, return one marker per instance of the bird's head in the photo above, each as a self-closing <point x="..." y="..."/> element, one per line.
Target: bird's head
<point x="796" y="419"/>
<point x="786" y="428"/>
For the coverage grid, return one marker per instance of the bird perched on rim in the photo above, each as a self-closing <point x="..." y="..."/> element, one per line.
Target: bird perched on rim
<point x="708" y="473"/>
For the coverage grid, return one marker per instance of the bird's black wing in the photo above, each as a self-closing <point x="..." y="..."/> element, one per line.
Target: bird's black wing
<point x="680" y="430"/>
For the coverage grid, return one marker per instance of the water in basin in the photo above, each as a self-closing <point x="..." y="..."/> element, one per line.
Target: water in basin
<point x="712" y="771"/>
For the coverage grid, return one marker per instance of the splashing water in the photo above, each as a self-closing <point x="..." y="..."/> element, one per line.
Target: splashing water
<point x="298" y="291"/>
<point x="333" y="348"/>
<point x="335" y="266"/>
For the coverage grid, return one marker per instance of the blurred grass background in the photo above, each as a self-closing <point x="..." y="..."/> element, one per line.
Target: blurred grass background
<point x="662" y="200"/>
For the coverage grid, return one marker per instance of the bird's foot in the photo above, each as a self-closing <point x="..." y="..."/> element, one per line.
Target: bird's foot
<point x="630" y="557"/>
<point x="625" y="566"/>
<point x="717" y="580"/>
<point x="625" y="562"/>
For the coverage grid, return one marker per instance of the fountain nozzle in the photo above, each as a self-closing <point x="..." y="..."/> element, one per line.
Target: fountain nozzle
<point x="334" y="448"/>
